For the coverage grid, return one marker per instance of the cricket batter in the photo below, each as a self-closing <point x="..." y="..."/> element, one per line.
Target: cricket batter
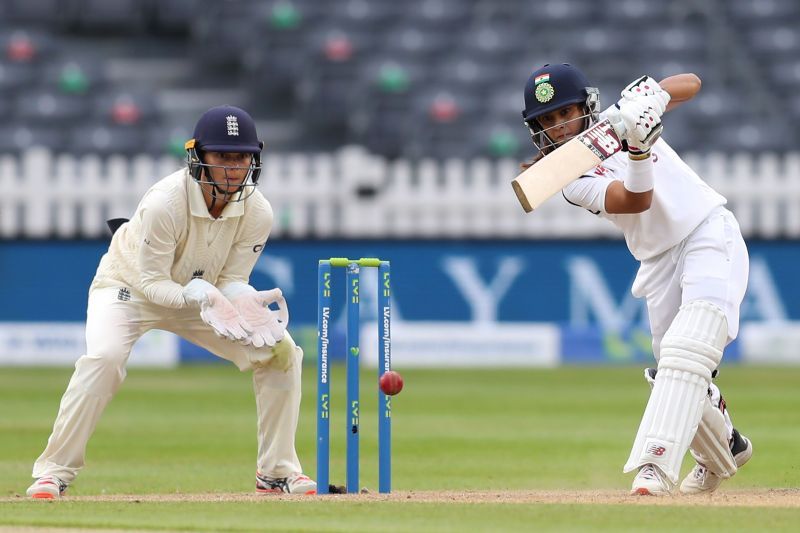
<point x="693" y="272"/>
<point x="182" y="264"/>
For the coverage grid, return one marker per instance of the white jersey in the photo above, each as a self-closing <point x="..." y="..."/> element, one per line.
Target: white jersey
<point x="172" y="238"/>
<point x="681" y="201"/>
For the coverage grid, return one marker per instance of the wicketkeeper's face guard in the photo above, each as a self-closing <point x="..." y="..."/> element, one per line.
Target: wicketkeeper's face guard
<point x="228" y="183"/>
<point x="225" y="130"/>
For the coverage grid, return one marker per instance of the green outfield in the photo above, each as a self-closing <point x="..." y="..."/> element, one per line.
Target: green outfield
<point x="493" y="450"/>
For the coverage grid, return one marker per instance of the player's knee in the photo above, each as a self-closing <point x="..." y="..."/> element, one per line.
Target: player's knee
<point x="695" y="340"/>
<point x="101" y="373"/>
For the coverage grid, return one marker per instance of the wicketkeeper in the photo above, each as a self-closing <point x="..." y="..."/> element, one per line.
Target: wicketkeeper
<point x="182" y="264"/>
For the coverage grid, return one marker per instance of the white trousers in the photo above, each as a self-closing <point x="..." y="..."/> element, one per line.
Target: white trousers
<point x="711" y="264"/>
<point x="113" y="324"/>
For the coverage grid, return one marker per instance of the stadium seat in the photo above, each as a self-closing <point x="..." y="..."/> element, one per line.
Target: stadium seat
<point x="166" y="139"/>
<point x="105" y="140"/>
<point x="38" y="13"/>
<point x="18" y="137"/>
<point x="444" y="120"/>
<point x="174" y="16"/>
<point x="50" y="106"/>
<point x="25" y="46"/>
<point x="126" y="108"/>
<point x="566" y="14"/>
<point x="775" y="42"/>
<point x="480" y="77"/>
<point x="411" y="42"/>
<point x="440" y="16"/>
<point x="111" y="17"/>
<point x="754" y="136"/>
<point x="785" y="75"/>
<point x="761" y="12"/>
<point x="76" y="74"/>
<point x="17" y="76"/>
<point x="223" y="33"/>
<point x="365" y="14"/>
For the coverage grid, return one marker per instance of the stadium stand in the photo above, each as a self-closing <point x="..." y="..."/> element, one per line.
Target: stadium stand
<point x="326" y="65"/>
<point x="421" y="80"/>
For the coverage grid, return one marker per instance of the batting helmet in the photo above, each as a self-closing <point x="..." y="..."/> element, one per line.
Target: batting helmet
<point x="552" y="87"/>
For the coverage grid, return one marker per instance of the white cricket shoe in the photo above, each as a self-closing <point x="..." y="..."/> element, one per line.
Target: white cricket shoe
<point x="650" y="481"/>
<point x="296" y="483"/>
<point x="47" y="488"/>
<point x="702" y="481"/>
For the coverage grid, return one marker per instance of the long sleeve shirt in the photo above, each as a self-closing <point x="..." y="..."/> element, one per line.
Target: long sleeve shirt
<point x="172" y="238"/>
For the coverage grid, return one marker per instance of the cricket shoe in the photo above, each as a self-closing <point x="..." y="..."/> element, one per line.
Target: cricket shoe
<point x="702" y="481"/>
<point x="47" y="488"/>
<point x="650" y="481"/>
<point x="296" y="483"/>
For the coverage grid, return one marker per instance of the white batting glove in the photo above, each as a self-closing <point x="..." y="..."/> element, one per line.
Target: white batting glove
<point x="644" y="86"/>
<point x="642" y="124"/>
<point x="268" y="325"/>
<point x="615" y="118"/>
<point x="216" y="310"/>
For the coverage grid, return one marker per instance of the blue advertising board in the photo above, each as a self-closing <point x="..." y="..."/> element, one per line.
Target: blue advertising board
<point x="581" y="286"/>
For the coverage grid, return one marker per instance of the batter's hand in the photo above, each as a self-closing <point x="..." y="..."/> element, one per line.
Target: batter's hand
<point x="644" y="86"/>
<point x="216" y="310"/>
<point x="641" y="122"/>
<point x="268" y="325"/>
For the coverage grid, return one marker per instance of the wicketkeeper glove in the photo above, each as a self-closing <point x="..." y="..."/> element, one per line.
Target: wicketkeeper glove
<point x="216" y="310"/>
<point x="268" y="326"/>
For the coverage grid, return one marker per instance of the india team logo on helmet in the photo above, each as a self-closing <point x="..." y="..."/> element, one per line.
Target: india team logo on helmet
<point x="554" y="86"/>
<point x="542" y="89"/>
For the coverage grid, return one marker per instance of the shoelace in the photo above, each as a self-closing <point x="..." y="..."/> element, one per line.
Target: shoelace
<point x="649" y="472"/>
<point x="700" y="473"/>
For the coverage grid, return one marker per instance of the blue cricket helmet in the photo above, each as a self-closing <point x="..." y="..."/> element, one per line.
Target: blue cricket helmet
<point x="227" y="128"/>
<point x="554" y="86"/>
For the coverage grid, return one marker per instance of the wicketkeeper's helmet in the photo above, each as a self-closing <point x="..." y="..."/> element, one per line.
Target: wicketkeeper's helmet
<point x="225" y="129"/>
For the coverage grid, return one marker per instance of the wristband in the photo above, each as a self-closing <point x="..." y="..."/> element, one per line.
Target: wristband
<point x="640" y="175"/>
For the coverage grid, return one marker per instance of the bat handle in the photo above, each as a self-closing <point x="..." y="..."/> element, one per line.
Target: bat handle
<point x="615" y="119"/>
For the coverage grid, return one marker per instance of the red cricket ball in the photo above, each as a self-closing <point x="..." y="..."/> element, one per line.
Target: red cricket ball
<point x="391" y="383"/>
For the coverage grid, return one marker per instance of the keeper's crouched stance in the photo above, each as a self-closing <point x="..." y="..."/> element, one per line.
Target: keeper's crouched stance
<point x="182" y="264"/>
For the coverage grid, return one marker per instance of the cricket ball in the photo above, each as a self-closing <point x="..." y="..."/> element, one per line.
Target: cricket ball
<point x="391" y="383"/>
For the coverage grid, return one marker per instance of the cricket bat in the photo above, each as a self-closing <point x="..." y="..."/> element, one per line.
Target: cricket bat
<point x="569" y="162"/>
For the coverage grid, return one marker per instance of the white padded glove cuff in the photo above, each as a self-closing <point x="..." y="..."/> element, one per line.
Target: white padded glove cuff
<point x="236" y="288"/>
<point x="195" y="293"/>
<point x="640" y="176"/>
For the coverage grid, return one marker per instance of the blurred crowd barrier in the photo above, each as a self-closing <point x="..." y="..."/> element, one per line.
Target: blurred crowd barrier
<point x="352" y="193"/>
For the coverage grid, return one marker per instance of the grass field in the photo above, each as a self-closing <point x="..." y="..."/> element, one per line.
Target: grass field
<point x="473" y="450"/>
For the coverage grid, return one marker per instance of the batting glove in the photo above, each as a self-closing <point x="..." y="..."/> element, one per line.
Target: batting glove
<point x="642" y="126"/>
<point x="216" y="310"/>
<point x="644" y="86"/>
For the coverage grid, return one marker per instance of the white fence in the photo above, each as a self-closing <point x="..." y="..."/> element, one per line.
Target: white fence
<point x="352" y="194"/>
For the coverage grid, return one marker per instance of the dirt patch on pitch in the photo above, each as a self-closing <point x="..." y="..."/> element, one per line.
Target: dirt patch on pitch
<point x="734" y="498"/>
